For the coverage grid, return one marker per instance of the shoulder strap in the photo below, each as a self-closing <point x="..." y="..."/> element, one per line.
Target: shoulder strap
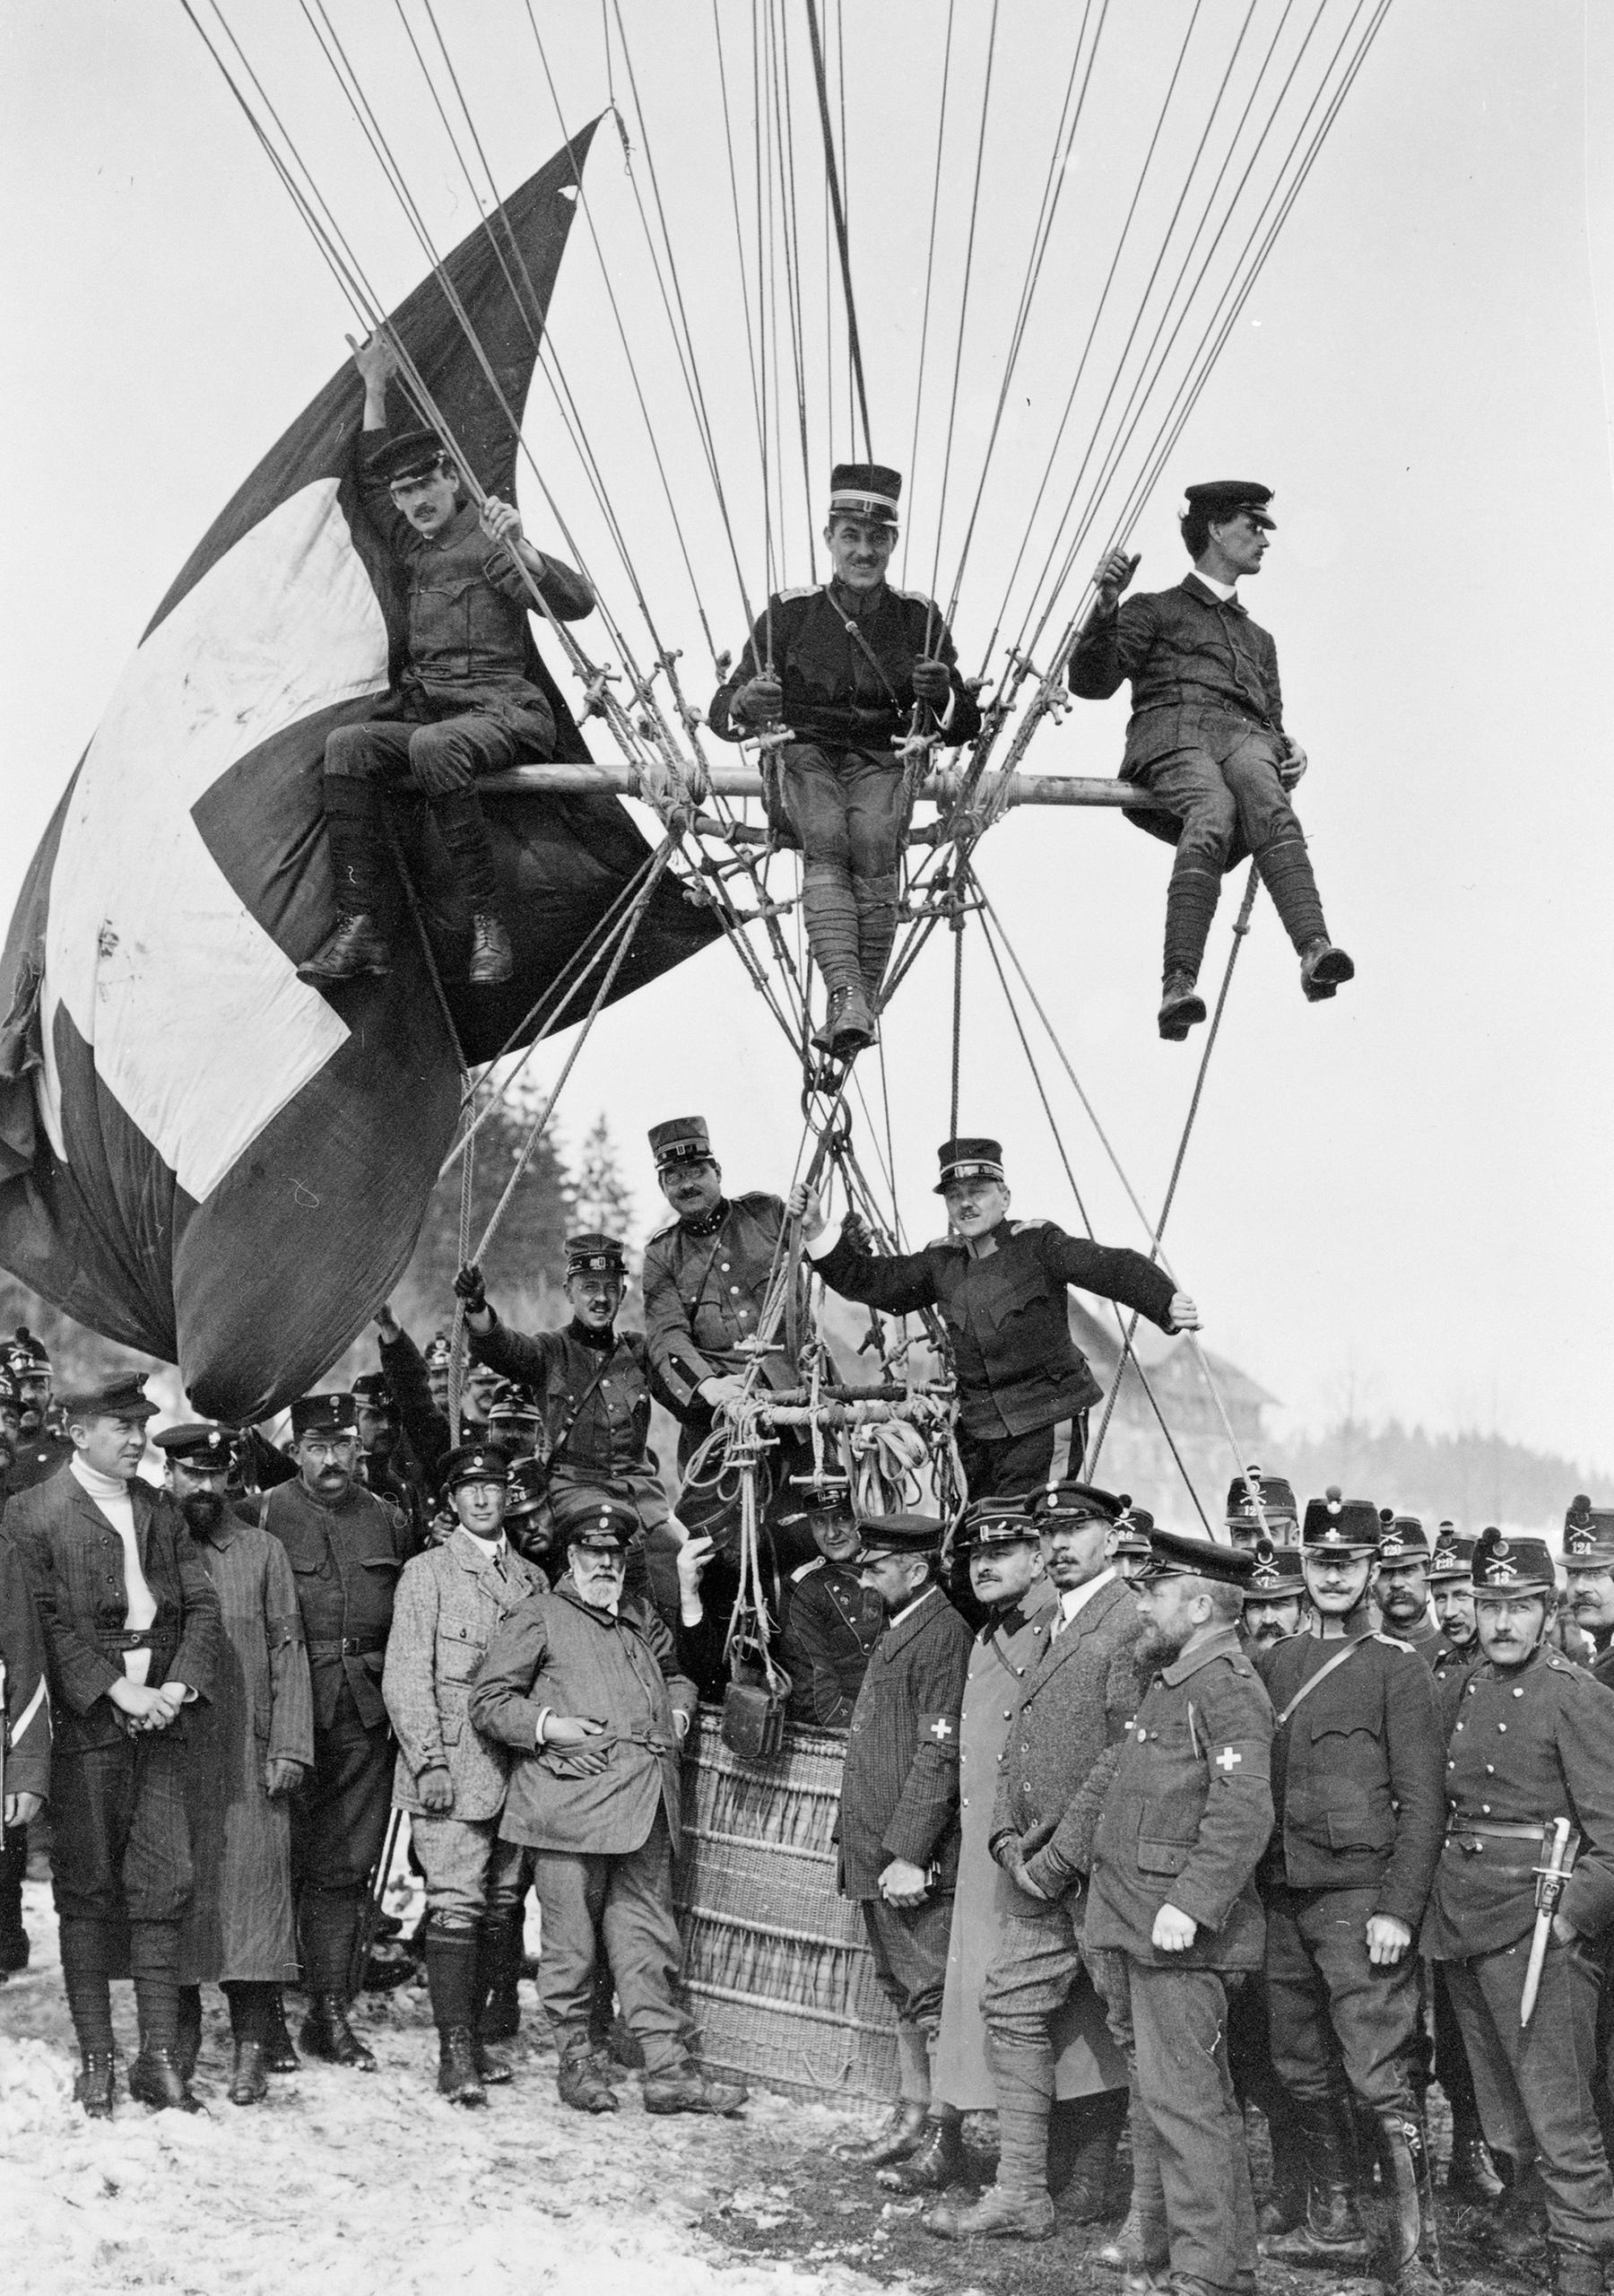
<point x="1321" y="1675"/>
<point x="571" y="1420"/>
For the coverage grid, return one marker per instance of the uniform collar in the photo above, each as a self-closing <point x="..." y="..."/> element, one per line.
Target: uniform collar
<point x="1216" y="593"/>
<point x="856" y="606"/>
<point x="1222" y="1644"/>
<point x="600" y="1342"/>
<point x="709" y="1222"/>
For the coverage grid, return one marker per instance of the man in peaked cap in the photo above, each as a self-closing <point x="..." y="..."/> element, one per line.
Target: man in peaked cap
<point x="838" y="673"/>
<point x="1172" y="1910"/>
<point x="1206" y="738"/>
<point x="1529" y="1740"/>
<point x="1059" y="1740"/>
<point x="588" y="1662"/>
<point x="38" y="1453"/>
<point x="346" y="1548"/>
<point x="1277" y="1519"/>
<point x="1357" y="1792"/>
<point x="464" y="702"/>
<point x="898" y="1832"/>
<point x="131" y="1636"/>
<point x="1401" y="1585"/>
<point x="592" y="1384"/>
<point x="1589" y="1561"/>
<point x="999" y="1285"/>
<point x="1274" y="1603"/>
<point x="832" y="1620"/>
<point x="1132" y="1542"/>
<point x="1452" y="1597"/>
<point x="451" y="1601"/>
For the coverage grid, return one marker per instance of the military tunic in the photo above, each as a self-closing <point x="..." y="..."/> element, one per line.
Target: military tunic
<point x="38" y="1457"/>
<point x="840" y="694"/>
<point x="594" y="1392"/>
<point x="240" y="1924"/>
<point x="832" y="1622"/>
<point x="1186" y="1818"/>
<point x="1528" y="1744"/>
<point x="704" y="1288"/>
<point x="345" y="1559"/>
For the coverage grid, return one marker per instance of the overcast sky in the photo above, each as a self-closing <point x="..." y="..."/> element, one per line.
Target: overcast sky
<point x="1400" y="1197"/>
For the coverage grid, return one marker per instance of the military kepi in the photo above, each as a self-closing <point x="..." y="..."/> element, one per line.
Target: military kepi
<point x="994" y="1522"/>
<point x="1277" y="1497"/>
<point x="969" y="1159"/>
<point x="406" y="454"/>
<point x="327" y="1414"/>
<point x="1173" y="1554"/>
<point x="1505" y="1566"/>
<point x="473" y="1463"/>
<point x="585" y="1516"/>
<point x="1276" y="1575"/>
<point x="198" y="1444"/>
<point x="1403" y="1540"/>
<point x="592" y="1254"/>
<point x="1452" y="1559"/>
<point x="1077" y="1502"/>
<point x="1221" y="499"/>
<point x="865" y="490"/>
<point x="680" y="1140"/>
<point x="1588" y="1535"/>
<point x="1340" y="1525"/>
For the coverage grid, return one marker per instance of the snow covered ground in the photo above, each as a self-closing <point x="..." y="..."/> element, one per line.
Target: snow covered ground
<point x="373" y="2187"/>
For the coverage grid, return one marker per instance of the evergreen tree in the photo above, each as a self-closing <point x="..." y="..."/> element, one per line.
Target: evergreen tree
<point x="604" y="1199"/>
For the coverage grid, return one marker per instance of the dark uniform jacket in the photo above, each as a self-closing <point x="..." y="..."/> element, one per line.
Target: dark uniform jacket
<point x="38" y="1457"/>
<point x="75" y="1565"/>
<point x="1357" y="1773"/>
<point x="1076" y="1705"/>
<point x="556" y="1653"/>
<point x="609" y="1434"/>
<point x="1524" y="1745"/>
<point x="835" y="694"/>
<point x="26" y="1720"/>
<point x="346" y="1559"/>
<point x="1006" y="1314"/>
<point x="704" y="1295"/>
<point x="1445" y="1661"/>
<point x="900" y="1787"/>
<point x="1188" y="1814"/>
<point x="467" y="645"/>
<point x="425" y="1427"/>
<point x="832" y="1622"/>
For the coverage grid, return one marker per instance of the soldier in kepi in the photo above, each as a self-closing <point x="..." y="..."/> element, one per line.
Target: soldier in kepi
<point x="1523" y="1898"/>
<point x="1024" y="1387"/>
<point x="1589" y="1560"/>
<point x="1206" y="738"/>
<point x="465" y="701"/>
<point x="844" y="671"/>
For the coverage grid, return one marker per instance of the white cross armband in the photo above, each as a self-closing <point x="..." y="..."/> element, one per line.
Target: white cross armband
<point x="1240" y="1759"/>
<point x="941" y="1729"/>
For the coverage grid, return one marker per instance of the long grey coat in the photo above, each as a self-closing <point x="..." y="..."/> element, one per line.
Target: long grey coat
<point x="450" y="1601"/>
<point x="239" y="1922"/>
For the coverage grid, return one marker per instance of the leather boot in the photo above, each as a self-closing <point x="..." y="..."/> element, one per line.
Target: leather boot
<point x="93" y="2086"/>
<point x="1471" y="2173"/>
<point x="901" y="2134"/>
<point x="155" y="2079"/>
<point x="355" y="944"/>
<point x="248" y="2075"/>
<point x="1084" y="2136"/>
<point x="848" y="1026"/>
<point x="491" y="961"/>
<point x="1284" y="2206"/>
<point x="187" y="2048"/>
<point x="938" y="2162"/>
<point x="1331" y="2233"/>
<point x="580" y="2082"/>
<point x="13" y="1871"/>
<point x="498" y="1979"/>
<point x="999" y="2214"/>
<point x="1323" y="969"/>
<point x="279" y="2056"/>
<point x="1407" y="2260"/>
<point x="457" y="2076"/>
<point x="686" y="2089"/>
<point x="327" y="2035"/>
<point x="1182" y="1007"/>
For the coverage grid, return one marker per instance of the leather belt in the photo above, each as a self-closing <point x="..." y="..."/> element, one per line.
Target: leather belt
<point x="1461" y="1832"/>
<point x="141" y="1638"/>
<point x="347" y="1646"/>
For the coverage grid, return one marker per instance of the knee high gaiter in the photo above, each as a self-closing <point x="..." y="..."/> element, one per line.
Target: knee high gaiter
<point x="85" y="1962"/>
<point x="154" y="1965"/>
<point x="252" y="2009"/>
<point x="1285" y="872"/>
<point x="876" y="899"/>
<point x="353" y="825"/>
<point x="463" y="827"/>
<point x="1023" y="2079"/>
<point x="330" y="1923"/>
<point x="831" y="911"/>
<point x="1191" y="899"/>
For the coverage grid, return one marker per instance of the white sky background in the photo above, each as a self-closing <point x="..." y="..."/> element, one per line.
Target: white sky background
<point x="1402" y="1195"/>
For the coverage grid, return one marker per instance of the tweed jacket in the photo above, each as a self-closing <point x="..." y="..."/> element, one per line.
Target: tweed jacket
<point x="555" y="1654"/>
<point x="900" y="1786"/>
<point x="1188" y="1814"/>
<point x="1064" y="1741"/>
<point x="1186" y="652"/>
<point x="26" y="1720"/>
<point x="450" y="1601"/>
<point x="75" y="1565"/>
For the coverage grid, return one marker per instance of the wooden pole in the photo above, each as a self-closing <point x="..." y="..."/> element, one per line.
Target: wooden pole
<point x="590" y="780"/>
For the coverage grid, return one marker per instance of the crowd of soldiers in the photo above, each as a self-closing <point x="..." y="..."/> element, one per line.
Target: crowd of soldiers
<point x="1141" y="1828"/>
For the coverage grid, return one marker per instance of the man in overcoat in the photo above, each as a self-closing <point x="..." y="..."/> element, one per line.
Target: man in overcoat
<point x="898" y="1826"/>
<point x="346" y="1548"/>
<point x="25" y="1749"/>
<point x="451" y="1602"/>
<point x="582" y="1683"/>
<point x="1060" y="1748"/>
<point x="1000" y="1286"/>
<point x="249" y="1750"/>
<point x="131" y="1624"/>
<point x="1172" y="1911"/>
